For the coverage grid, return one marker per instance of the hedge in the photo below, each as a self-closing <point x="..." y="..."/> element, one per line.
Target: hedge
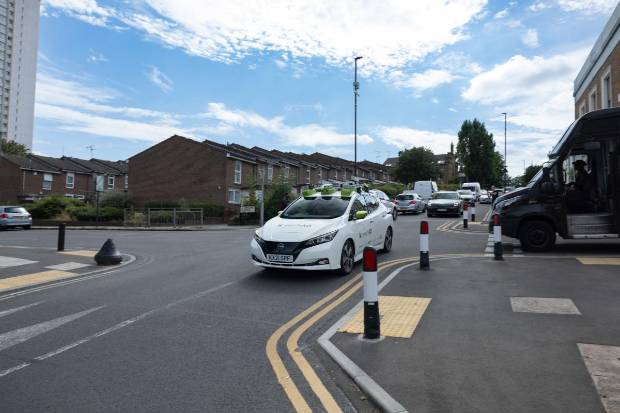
<point x="90" y="214"/>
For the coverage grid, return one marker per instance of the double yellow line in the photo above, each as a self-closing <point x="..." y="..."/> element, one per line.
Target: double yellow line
<point x="284" y="377"/>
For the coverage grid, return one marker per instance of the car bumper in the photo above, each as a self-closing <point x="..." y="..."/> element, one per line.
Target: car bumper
<point x="15" y="222"/>
<point x="446" y="211"/>
<point x="408" y="208"/>
<point x="306" y="260"/>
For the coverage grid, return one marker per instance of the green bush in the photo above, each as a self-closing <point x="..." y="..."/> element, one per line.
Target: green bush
<point x="208" y="210"/>
<point x="277" y="195"/>
<point x="52" y="206"/>
<point x="448" y="187"/>
<point x="114" y="199"/>
<point x="391" y="189"/>
<point x="89" y="214"/>
<point x="162" y="204"/>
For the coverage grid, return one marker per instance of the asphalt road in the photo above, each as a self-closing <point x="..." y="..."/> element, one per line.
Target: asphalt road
<point x="183" y="328"/>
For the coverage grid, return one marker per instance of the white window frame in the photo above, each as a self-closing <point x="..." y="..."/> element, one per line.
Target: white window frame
<point x="70" y="183"/>
<point x="238" y="169"/>
<point x="110" y="182"/>
<point x="236" y="198"/>
<point x="126" y="181"/>
<point x="269" y="173"/>
<point x="592" y="98"/>
<point x="308" y="175"/>
<point x="287" y="171"/>
<point x="606" y="93"/>
<point x="46" y="180"/>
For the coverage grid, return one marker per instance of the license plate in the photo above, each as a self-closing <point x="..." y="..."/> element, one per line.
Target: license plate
<point x="280" y="258"/>
<point x="442" y="210"/>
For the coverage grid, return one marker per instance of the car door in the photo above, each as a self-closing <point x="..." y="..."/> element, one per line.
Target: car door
<point x="376" y="214"/>
<point x="359" y="227"/>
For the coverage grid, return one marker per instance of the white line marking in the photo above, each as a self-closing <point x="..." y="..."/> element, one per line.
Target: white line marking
<point x="6" y="262"/>
<point x="15" y="337"/>
<point x="68" y="266"/>
<point x="115" y="327"/>
<point x="16" y="309"/>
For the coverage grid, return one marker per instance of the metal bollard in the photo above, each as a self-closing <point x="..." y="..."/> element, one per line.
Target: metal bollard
<point x="424" y="258"/>
<point x="465" y="214"/>
<point x="498" y="247"/>
<point x="61" y="236"/>
<point x="472" y="211"/>
<point x="372" y="323"/>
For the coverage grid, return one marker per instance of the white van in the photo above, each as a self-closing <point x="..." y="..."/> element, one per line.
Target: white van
<point x="425" y="189"/>
<point x="474" y="187"/>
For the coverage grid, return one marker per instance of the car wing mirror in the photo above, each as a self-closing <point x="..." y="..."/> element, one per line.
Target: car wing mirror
<point x="280" y="212"/>
<point x="360" y="215"/>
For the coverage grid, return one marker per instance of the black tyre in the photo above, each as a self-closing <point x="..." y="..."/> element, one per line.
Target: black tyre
<point x="27" y="227"/>
<point x="387" y="241"/>
<point x="347" y="258"/>
<point x="429" y="215"/>
<point x="394" y="214"/>
<point x="537" y="236"/>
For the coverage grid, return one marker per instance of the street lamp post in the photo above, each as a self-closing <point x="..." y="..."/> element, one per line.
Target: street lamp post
<point x="356" y="86"/>
<point x="505" y="160"/>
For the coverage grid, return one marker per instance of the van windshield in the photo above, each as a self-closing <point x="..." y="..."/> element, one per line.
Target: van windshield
<point x="556" y="149"/>
<point x="470" y="188"/>
<point x="538" y="175"/>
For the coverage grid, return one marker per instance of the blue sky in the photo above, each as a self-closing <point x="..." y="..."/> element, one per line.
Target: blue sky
<point x="123" y="75"/>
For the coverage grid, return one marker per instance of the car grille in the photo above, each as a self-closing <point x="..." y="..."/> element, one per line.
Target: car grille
<point x="289" y="248"/>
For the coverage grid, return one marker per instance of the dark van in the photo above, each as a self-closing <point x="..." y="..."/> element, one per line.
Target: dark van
<point x="577" y="192"/>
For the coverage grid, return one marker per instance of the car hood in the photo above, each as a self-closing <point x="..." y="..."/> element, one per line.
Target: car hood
<point x="297" y="230"/>
<point x="517" y="192"/>
<point x="443" y="201"/>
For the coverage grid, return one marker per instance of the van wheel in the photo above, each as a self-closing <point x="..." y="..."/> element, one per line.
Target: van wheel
<point x="347" y="258"/>
<point x="537" y="236"/>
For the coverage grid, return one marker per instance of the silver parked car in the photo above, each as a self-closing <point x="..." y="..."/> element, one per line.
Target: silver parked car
<point x="410" y="203"/>
<point x="14" y="216"/>
<point x="467" y="195"/>
<point x="385" y="200"/>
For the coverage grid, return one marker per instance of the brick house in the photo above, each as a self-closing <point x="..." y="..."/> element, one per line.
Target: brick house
<point x="34" y="177"/>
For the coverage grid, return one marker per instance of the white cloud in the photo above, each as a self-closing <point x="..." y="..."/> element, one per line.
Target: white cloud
<point x="530" y="38"/>
<point x="96" y="57"/>
<point x="458" y="63"/>
<point x="452" y="110"/>
<point x="280" y="63"/>
<point x="405" y="138"/>
<point x="390" y="35"/>
<point x="435" y="100"/>
<point x="159" y="79"/>
<point x="588" y="6"/>
<point x="420" y="82"/>
<point x="501" y="14"/>
<point x="86" y="10"/>
<point x="539" y="6"/>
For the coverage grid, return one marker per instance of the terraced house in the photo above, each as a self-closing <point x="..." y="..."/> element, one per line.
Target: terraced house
<point x="179" y="168"/>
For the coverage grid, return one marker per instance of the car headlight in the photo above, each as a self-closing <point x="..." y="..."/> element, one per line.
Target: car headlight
<point x="258" y="239"/>
<point x="455" y="204"/>
<point x="321" y="239"/>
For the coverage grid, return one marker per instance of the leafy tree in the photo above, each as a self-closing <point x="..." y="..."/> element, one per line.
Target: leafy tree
<point x="416" y="164"/>
<point x="13" y="148"/>
<point x="476" y="153"/>
<point x="529" y="173"/>
<point x="277" y="196"/>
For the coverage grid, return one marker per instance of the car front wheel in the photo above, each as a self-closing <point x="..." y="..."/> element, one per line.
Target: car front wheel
<point x="537" y="236"/>
<point x="347" y="258"/>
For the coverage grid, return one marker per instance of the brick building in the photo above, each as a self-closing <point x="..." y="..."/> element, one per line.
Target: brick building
<point x="181" y="168"/>
<point x="597" y="86"/>
<point x="31" y="177"/>
<point x="446" y="162"/>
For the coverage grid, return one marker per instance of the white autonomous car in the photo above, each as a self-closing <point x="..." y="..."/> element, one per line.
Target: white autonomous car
<point x="324" y="230"/>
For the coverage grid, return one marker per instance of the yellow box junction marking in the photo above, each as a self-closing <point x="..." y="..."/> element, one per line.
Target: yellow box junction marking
<point x="80" y="253"/>
<point x="399" y="316"/>
<point x="33" y="279"/>
<point x="598" y="261"/>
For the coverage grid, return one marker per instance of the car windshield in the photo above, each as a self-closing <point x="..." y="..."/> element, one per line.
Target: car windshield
<point x="15" y="210"/>
<point x="316" y="208"/>
<point x="404" y="197"/>
<point x="445" y="195"/>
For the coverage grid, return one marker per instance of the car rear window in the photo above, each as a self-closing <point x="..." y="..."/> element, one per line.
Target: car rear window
<point x="15" y="210"/>
<point x="404" y="197"/>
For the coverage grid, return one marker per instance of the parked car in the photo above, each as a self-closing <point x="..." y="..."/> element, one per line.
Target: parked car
<point x="323" y="231"/>
<point x="467" y="195"/>
<point x="485" y="197"/>
<point x="410" y="202"/>
<point x="385" y="200"/>
<point x="14" y="216"/>
<point x="445" y="203"/>
<point x="425" y="189"/>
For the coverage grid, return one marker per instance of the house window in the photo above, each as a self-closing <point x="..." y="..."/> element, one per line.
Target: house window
<point x="336" y="174"/>
<point x="261" y="172"/>
<point x="582" y="109"/>
<point x="320" y="174"/>
<point x="234" y="196"/>
<point x="70" y="184"/>
<point x="237" y="172"/>
<point x="287" y="171"/>
<point x="606" y="90"/>
<point x="126" y="181"/>
<point x="593" y="97"/>
<point x="47" y="181"/>
<point x="269" y="173"/>
<point x="308" y="175"/>
<point x="110" y="182"/>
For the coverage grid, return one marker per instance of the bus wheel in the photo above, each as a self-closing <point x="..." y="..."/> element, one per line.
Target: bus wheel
<point x="537" y="236"/>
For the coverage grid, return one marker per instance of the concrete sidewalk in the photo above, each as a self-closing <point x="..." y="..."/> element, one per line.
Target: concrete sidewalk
<point x="489" y="341"/>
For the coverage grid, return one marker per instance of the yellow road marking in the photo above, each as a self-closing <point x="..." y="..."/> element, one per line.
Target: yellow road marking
<point x="598" y="261"/>
<point x="33" y="279"/>
<point x="399" y="316"/>
<point x="80" y="253"/>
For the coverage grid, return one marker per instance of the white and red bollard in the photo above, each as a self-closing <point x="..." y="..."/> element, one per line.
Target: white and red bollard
<point x="472" y="211"/>
<point x="372" y="322"/>
<point x="465" y="214"/>
<point x="424" y="258"/>
<point x="498" y="248"/>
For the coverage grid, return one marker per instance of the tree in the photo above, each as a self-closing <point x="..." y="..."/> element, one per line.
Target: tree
<point x="476" y="153"/>
<point x="529" y="173"/>
<point x="416" y="164"/>
<point x="13" y="148"/>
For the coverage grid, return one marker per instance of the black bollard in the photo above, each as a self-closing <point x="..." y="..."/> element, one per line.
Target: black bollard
<point x="108" y="254"/>
<point x="61" y="236"/>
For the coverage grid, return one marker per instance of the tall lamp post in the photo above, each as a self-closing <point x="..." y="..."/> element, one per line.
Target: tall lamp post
<point x="356" y="87"/>
<point x="505" y="160"/>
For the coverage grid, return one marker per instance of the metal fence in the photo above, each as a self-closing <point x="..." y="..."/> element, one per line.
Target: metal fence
<point x="163" y="217"/>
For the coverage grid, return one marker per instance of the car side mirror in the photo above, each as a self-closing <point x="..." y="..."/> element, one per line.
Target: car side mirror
<point x="280" y="212"/>
<point x="360" y="215"/>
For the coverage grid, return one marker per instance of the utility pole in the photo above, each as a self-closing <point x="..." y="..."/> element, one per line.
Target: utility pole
<point x="356" y="87"/>
<point x="505" y="160"/>
<point x="91" y="148"/>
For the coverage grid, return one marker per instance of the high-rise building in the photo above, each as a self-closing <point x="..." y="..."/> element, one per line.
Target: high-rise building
<point x="19" y="38"/>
